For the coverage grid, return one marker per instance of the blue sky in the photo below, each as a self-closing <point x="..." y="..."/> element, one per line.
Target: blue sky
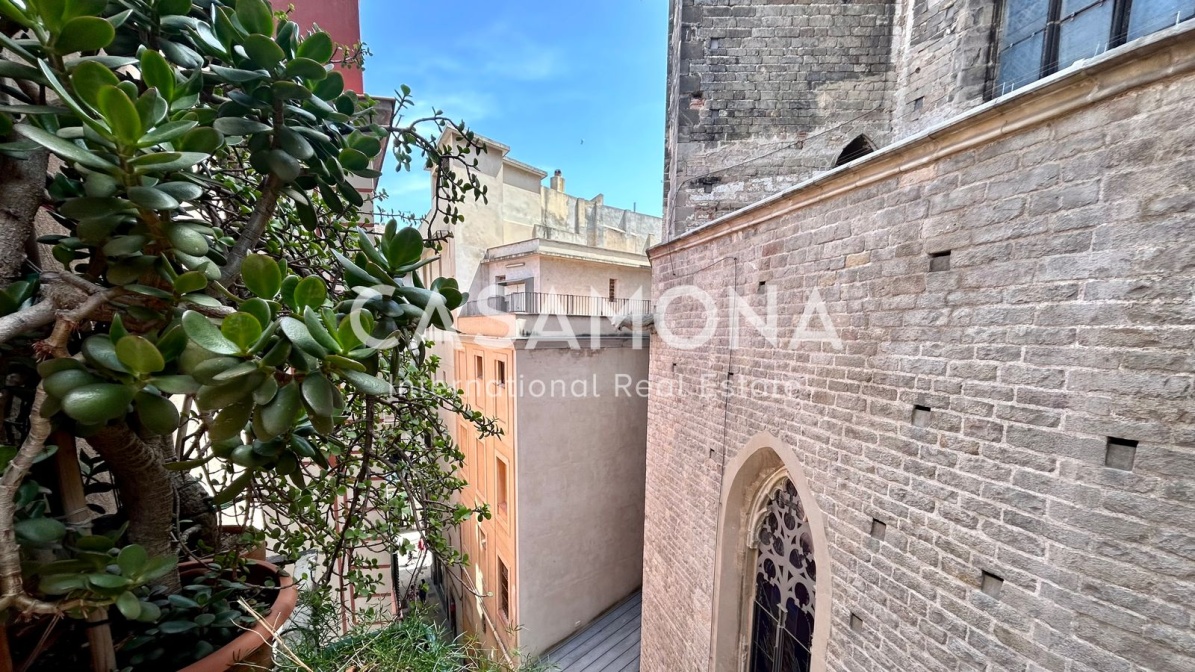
<point x="575" y="86"/>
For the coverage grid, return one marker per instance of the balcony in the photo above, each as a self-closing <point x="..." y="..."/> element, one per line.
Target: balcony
<point x="569" y="305"/>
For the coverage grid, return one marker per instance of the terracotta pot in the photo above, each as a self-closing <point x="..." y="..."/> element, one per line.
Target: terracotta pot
<point x="252" y="651"/>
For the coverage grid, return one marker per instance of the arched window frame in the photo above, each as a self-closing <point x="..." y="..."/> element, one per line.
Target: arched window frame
<point x="749" y="478"/>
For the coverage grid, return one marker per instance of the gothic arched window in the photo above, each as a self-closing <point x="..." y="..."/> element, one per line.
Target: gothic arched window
<point x="860" y="146"/>
<point x="785" y="575"/>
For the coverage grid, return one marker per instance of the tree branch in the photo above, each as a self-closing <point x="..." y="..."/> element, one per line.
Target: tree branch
<point x="271" y="188"/>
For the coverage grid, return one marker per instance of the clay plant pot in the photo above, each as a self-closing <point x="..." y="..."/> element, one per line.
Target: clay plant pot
<point x="252" y="650"/>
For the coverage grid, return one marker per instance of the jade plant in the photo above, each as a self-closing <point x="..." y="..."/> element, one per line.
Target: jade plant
<point x="195" y="316"/>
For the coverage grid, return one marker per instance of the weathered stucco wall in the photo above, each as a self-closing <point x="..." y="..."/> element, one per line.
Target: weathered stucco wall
<point x="1065" y="318"/>
<point x="581" y="479"/>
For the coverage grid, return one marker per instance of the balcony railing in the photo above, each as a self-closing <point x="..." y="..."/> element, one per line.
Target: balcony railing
<point x="556" y="304"/>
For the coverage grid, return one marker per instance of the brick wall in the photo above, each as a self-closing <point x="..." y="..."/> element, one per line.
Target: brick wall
<point x="1065" y="318"/>
<point x="765" y="93"/>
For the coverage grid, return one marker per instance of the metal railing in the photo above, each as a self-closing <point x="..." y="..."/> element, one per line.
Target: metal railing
<point x="535" y="303"/>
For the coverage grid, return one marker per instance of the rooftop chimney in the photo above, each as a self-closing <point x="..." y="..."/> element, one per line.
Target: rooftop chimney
<point x="558" y="182"/>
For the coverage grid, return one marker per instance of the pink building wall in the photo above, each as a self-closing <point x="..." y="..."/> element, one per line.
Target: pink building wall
<point x="339" y="18"/>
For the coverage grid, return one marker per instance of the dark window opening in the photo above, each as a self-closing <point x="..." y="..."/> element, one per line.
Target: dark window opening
<point x="991" y="584"/>
<point x="939" y="261"/>
<point x="860" y="146"/>
<point x="1121" y="454"/>
<point x="504" y="590"/>
<point x="1041" y="37"/>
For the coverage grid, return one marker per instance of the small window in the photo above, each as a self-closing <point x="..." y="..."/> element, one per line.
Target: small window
<point x="499" y="279"/>
<point x="503" y="589"/>
<point x="503" y="485"/>
<point x="500" y="372"/>
<point x="613" y="288"/>
<point x="478" y="367"/>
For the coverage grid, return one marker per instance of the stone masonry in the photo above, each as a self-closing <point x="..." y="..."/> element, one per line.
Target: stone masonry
<point x="1052" y="353"/>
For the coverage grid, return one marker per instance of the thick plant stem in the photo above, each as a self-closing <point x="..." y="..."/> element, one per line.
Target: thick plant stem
<point x="267" y="203"/>
<point x="21" y="186"/>
<point x="146" y="491"/>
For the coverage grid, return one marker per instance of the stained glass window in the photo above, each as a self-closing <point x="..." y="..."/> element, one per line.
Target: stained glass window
<point x="1041" y="37"/>
<point x="785" y="574"/>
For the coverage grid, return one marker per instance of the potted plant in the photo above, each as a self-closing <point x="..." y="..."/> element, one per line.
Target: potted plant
<point x="202" y="327"/>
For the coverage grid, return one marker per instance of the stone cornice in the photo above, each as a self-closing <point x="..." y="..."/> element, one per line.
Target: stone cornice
<point x="1146" y="61"/>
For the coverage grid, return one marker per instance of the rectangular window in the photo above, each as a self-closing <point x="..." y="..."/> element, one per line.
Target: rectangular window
<point x="502" y="496"/>
<point x="1041" y="37"/>
<point x="500" y="372"/>
<point x="478" y="367"/>
<point x="613" y="288"/>
<point x="503" y="589"/>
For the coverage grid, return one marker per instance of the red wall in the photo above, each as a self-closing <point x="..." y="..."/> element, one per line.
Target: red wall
<point x="339" y="18"/>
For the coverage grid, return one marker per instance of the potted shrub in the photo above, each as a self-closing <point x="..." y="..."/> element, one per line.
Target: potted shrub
<point x="203" y="326"/>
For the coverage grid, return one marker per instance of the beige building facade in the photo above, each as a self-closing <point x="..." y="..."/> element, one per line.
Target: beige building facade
<point x="540" y="350"/>
<point x="977" y="453"/>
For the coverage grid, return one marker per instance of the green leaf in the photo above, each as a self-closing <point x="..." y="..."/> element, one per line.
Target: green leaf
<point x="152" y="199"/>
<point x="131" y="560"/>
<point x="202" y="140"/>
<point x="330" y="87"/>
<point x="405" y="247"/>
<point x="100" y="350"/>
<point x="157" y="73"/>
<point x="176" y="161"/>
<point x="150" y="613"/>
<point x="283" y="165"/>
<point x="97" y="404"/>
<point x="242" y="329"/>
<point x="176" y="384"/>
<point x="260" y="309"/>
<point x="264" y="52"/>
<point x="139" y="355"/>
<point x="295" y="144"/>
<point x="129" y="605"/>
<point x="231" y="421"/>
<point x="108" y="581"/>
<point x="353" y="159"/>
<point x="176" y="627"/>
<point x="187" y="240"/>
<point x="89" y="78"/>
<point x="158" y="567"/>
<point x="205" y="334"/>
<point x="366" y="383"/>
<point x="64" y="148"/>
<point x="239" y="126"/>
<point x="157" y="415"/>
<point x="121" y="114"/>
<point x="174" y="7"/>
<point x="305" y="68"/>
<point x="319" y="395"/>
<point x="261" y="276"/>
<point x="41" y="531"/>
<point x="296" y="332"/>
<point x="85" y="33"/>
<point x="191" y="281"/>
<point x="279" y="416"/>
<point x="181" y="191"/>
<point x="318" y="47"/>
<point x="61" y="584"/>
<point x="319" y="332"/>
<point x="255" y="16"/>
<point x="166" y="132"/>
<point x="60" y="383"/>
<point x="310" y="292"/>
